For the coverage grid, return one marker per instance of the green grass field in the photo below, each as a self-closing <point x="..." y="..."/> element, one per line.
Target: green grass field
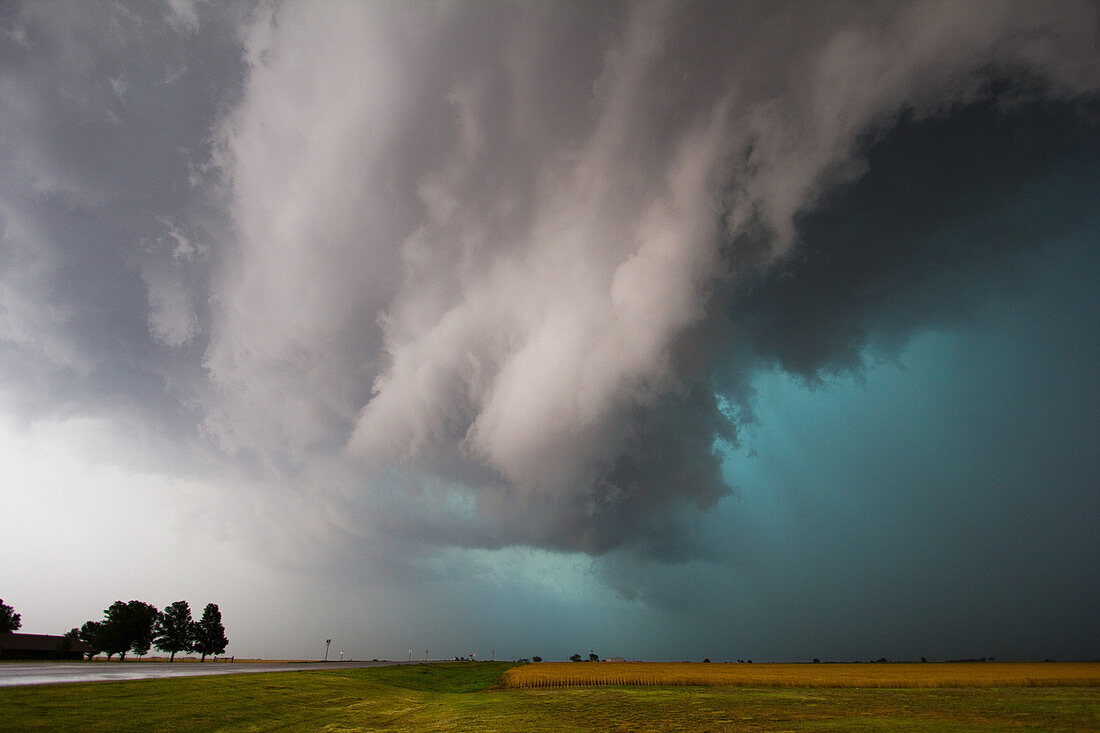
<point x="469" y="697"/>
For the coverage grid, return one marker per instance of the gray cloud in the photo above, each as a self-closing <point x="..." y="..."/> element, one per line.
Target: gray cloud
<point x="491" y="275"/>
<point x="106" y="120"/>
<point x="467" y="284"/>
<point x="911" y="247"/>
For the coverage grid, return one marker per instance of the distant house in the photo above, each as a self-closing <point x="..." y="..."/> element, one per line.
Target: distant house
<point x="40" y="646"/>
<point x="614" y="659"/>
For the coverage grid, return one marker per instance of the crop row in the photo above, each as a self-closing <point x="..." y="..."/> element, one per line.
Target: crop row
<point x="979" y="674"/>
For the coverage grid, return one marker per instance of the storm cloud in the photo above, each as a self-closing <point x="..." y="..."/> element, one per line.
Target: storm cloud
<point x="415" y="277"/>
<point x="478" y="272"/>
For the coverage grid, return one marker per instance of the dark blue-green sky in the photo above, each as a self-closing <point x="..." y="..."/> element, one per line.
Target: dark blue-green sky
<point x="744" y="330"/>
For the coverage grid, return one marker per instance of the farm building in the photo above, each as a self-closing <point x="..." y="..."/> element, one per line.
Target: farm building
<point x="40" y="646"/>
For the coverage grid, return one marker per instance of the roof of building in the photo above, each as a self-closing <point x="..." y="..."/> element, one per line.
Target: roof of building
<point x="38" y="642"/>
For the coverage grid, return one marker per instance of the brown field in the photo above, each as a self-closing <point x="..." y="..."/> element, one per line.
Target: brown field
<point x="977" y="674"/>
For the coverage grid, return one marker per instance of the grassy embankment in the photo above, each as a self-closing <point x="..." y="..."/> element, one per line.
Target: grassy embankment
<point x="470" y="697"/>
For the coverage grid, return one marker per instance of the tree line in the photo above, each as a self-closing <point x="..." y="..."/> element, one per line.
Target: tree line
<point x="136" y="626"/>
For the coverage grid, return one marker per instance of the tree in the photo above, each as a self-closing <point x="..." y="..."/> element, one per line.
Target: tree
<point x="65" y="646"/>
<point x="143" y="616"/>
<point x="9" y="619"/>
<point x="575" y="658"/>
<point x="128" y="626"/>
<point x="593" y="657"/>
<point x="91" y="634"/>
<point x="112" y="631"/>
<point x="209" y="634"/>
<point x="142" y="644"/>
<point x="174" y="629"/>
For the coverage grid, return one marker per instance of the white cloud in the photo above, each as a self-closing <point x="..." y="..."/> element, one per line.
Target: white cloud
<point x="101" y="529"/>
<point x="172" y="317"/>
<point x="25" y="321"/>
<point x="314" y="260"/>
<point x="184" y="14"/>
<point x="459" y="256"/>
<point x="427" y="269"/>
<point x="445" y="301"/>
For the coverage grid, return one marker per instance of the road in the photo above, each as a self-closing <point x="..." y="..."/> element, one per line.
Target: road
<point x="48" y="673"/>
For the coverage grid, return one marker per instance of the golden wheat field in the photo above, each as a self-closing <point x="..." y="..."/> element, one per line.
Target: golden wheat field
<point x="955" y="674"/>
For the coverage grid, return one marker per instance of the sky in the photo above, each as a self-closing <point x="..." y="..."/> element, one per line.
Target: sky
<point x="746" y="330"/>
